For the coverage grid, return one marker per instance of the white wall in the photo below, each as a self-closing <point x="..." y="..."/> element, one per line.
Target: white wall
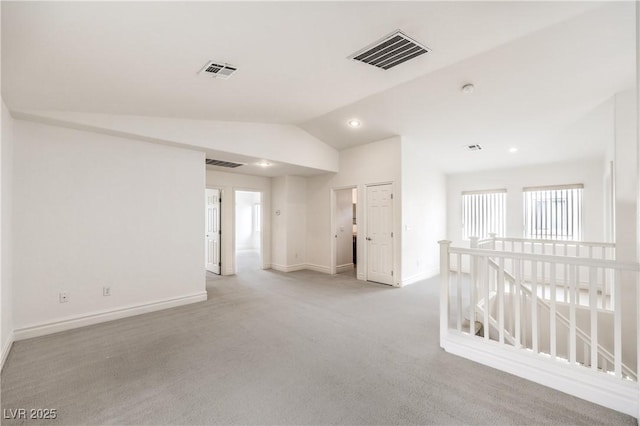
<point x="247" y="236"/>
<point x="626" y="174"/>
<point x="377" y="162"/>
<point x="297" y="219"/>
<point x="344" y="228"/>
<point x="588" y="172"/>
<point x="92" y="210"/>
<point x="6" y="230"/>
<point x="279" y="220"/>
<point x="228" y="182"/>
<point x="289" y="242"/>
<point x="424" y="213"/>
<point x="626" y="210"/>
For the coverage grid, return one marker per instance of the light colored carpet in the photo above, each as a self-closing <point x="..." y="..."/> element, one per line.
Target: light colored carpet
<point x="274" y="348"/>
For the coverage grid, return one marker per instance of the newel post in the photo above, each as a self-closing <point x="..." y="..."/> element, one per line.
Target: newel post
<point x="473" y="242"/>
<point x="444" y="289"/>
<point x="492" y="236"/>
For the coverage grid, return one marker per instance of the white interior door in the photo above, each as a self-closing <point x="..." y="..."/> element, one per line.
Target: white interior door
<point x="212" y="231"/>
<point x="379" y="235"/>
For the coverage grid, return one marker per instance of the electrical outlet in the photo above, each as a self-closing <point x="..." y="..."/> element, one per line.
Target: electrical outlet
<point x="106" y="291"/>
<point x="64" y="297"/>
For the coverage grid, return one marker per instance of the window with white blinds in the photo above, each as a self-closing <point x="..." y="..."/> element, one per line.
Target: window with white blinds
<point x="553" y="212"/>
<point x="484" y="212"/>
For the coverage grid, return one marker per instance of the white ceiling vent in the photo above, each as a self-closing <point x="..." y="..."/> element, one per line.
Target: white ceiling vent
<point x="218" y="70"/>
<point x="475" y="147"/>
<point x="222" y="163"/>
<point x="390" y="51"/>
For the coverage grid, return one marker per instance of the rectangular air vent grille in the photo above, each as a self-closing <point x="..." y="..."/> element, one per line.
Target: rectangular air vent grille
<point x="475" y="147"/>
<point x="221" y="163"/>
<point x="218" y="70"/>
<point x="391" y="51"/>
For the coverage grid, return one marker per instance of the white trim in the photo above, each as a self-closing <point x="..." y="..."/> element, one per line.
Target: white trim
<point x="104" y="316"/>
<point x="599" y="388"/>
<point x="553" y="187"/>
<point x="420" y="276"/>
<point x="485" y="191"/>
<point x="288" y="268"/>
<point x="6" y="349"/>
<point x="344" y="268"/>
<point x="318" y="268"/>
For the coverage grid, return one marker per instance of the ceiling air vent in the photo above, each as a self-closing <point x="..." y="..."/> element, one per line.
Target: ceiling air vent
<point x="221" y="163"/>
<point x="475" y="147"/>
<point x="218" y="70"/>
<point x="390" y="51"/>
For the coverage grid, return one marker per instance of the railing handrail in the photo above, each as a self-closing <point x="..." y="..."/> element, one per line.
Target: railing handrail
<point x="561" y="242"/>
<point x="578" y="261"/>
<point x="580" y="334"/>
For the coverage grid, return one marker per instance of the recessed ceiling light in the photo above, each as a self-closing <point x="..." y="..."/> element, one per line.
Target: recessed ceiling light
<point x="354" y="123"/>
<point x="263" y="163"/>
<point x="513" y="149"/>
<point x="468" y="88"/>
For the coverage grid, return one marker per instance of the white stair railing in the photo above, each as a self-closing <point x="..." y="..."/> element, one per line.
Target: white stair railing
<point x="603" y="353"/>
<point x="525" y="311"/>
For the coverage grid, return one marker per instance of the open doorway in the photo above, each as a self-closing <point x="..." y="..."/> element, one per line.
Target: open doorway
<point x="248" y="237"/>
<point x="346" y="230"/>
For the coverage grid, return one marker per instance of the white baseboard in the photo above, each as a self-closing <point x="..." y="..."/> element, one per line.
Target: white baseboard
<point x="344" y="268"/>
<point x="104" y="316"/>
<point x="288" y="268"/>
<point x="420" y="276"/>
<point x="6" y="348"/>
<point x="318" y="268"/>
<point x="599" y="388"/>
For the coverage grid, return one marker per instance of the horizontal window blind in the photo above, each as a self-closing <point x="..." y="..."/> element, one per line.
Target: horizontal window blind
<point x="553" y="212"/>
<point x="484" y="212"/>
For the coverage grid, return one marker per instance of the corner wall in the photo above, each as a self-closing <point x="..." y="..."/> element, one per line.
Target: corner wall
<point x="424" y="213"/>
<point x="92" y="210"/>
<point x="6" y="230"/>
<point x="289" y="244"/>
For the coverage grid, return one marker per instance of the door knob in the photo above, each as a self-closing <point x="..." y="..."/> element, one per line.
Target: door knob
<point x="368" y="239"/>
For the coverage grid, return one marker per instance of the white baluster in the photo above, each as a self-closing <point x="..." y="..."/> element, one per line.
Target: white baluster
<point x="534" y="306"/>
<point x="486" y="297"/>
<point x="552" y="314"/>
<point x="459" y="314"/>
<point x="593" y="307"/>
<point x="617" y="324"/>
<point x="516" y="299"/>
<point x="501" y="284"/>
<point x="572" y="313"/>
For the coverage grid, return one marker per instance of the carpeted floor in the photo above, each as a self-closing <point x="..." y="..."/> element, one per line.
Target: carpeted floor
<point x="274" y="348"/>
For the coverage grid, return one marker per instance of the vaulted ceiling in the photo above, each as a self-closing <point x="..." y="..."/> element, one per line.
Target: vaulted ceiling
<point x="539" y="67"/>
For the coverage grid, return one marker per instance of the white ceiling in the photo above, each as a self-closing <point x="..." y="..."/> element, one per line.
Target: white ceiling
<point x="531" y="94"/>
<point x="538" y="67"/>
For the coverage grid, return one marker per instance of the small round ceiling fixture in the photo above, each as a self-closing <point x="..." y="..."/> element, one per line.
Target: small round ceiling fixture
<point x="354" y="123"/>
<point x="263" y="163"/>
<point x="513" y="150"/>
<point x="468" y="88"/>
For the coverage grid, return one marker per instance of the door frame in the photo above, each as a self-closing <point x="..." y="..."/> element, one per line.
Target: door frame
<point x="221" y="248"/>
<point x="233" y="225"/>
<point x="334" y="211"/>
